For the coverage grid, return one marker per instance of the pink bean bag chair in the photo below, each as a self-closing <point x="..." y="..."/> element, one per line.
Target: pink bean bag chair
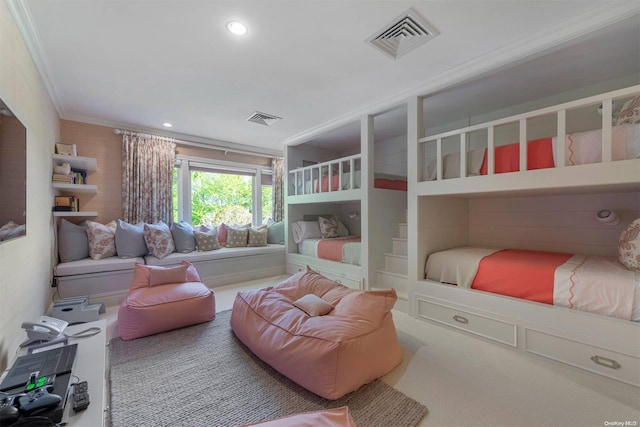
<point x="324" y="336"/>
<point x="164" y="298"/>
<point x="338" y="417"/>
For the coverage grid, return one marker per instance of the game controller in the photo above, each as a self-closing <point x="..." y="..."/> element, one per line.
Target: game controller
<point x="38" y="401"/>
<point x="8" y="412"/>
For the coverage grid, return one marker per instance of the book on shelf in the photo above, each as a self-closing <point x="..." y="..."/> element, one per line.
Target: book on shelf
<point x="66" y="204"/>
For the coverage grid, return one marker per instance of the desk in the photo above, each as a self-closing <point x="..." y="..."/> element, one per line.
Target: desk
<point x="90" y="367"/>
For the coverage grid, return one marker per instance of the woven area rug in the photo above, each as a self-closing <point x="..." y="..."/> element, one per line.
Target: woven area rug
<point x="204" y="376"/>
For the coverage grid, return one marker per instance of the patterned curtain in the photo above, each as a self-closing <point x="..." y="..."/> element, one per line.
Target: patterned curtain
<point x="277" y="165"/>
<point x="147" y="177"/>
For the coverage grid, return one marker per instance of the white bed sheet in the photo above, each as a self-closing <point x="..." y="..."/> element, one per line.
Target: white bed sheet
<point x="350" y="251"/>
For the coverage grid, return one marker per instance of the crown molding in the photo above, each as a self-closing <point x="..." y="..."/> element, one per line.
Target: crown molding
<point x="22" y="18"/>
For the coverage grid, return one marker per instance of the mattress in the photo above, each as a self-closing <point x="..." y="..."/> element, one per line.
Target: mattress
<point x="341" y="249"/>
<point x="593" y="284"/>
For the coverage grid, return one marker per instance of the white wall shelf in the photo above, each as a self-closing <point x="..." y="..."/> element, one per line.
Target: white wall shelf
<point x="75" y="214"/>
<point x="88" y="163"/>
<point x="75" y="188"/>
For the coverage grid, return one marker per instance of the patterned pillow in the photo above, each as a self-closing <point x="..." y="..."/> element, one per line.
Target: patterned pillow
<point x="102" y="239"/>
<point x="258" y="236"/>
<point x="207" y="240"/>
<point x="158" y="239"/>
<point x="629" y="246"/>
<point x="236" y="237"/>
<point x="328" y="227"/>
<point x="630" y="112"/>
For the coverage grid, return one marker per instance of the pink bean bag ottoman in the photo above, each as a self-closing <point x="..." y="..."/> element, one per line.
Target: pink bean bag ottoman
<point x="338" y="417"/>
<point x="164" y="298"/>
<point x="338" y="340"/>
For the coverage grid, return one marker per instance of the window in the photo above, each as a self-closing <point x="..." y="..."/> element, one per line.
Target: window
<point x="216" y="192"/>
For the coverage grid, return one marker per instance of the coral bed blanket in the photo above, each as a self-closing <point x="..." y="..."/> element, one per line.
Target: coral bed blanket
<point x="331" y="249"/>
<point x="588" y="283"/>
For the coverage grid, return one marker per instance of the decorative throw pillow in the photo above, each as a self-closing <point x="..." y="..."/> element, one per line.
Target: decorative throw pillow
<point x="207" y="240"/>
<point x="183" y="237"/>
<point x="236" y="237"/>
<point x="222" y="234"/>
<point x="629" y="246"/>
<point x="328" y="227"/>
<point x="630" y="112"/>
<point x="102" y="239"/>
<point x="313" y="305"/>
<point x="166" y="275"/>
<point x="130" y="240"/>
<point x="275" y="233"/>
<point x="258" y="236"/>
<point x="73" y="243"/>
<point x="158" y="239"/>
<point x="142" y="275"/>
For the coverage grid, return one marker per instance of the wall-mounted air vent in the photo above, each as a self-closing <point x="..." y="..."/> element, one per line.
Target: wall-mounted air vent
<point x="263" y="118"/>
<point x="402" y="35"/>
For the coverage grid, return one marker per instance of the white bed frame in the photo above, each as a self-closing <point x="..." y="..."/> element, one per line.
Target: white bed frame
<point x="439" y="218"/>
<point x="378" y="212"/>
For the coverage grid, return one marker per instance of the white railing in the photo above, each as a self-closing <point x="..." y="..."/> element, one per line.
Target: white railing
<point x="319" y="178"/>
<point x="604" y="100"/>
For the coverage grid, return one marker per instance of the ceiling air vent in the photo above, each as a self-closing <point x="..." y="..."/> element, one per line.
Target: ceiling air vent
<point x="402" y="35"/>
<point x="263" y="118"/>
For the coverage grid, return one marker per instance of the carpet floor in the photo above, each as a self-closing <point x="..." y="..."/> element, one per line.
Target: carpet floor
<point x="204" y="376"/>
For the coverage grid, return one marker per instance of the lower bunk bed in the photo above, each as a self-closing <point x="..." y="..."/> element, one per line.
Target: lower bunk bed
<point x="576" y="309"/>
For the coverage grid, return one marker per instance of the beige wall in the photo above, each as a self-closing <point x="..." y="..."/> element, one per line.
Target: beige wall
<point x="26" y="263"/>
<point x="99" y="142"/>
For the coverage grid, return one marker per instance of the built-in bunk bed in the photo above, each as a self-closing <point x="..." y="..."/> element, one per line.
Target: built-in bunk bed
<point x="518" y="239"/>
<point x="333" y="205"/>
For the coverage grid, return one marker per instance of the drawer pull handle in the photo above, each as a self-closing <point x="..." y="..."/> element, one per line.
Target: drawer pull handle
<point x="604" y="361"/>
<point x="461" y="319"/>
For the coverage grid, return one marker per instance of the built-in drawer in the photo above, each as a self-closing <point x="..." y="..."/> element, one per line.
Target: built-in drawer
<point x="484" y="326"/>
<point x="343" y="279"/>
<point x="621" y="367"/>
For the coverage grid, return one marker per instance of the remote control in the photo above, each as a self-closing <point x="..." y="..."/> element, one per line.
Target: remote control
<point x="80" y="396"/>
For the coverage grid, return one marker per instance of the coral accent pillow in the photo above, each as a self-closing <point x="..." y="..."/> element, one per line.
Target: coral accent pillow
<point x="207" y="240"/>
<point x="167" y="275"/>
<point x="237" y="237"/>
<point x="630" y="112"/>
<point x="313" y="305"/>
<point x="102" y="239"/>
<point x="629" y="246"/>
<point x="328" y="227"/>
<point x="159" y="240"/>
<point x="142" y="275"/>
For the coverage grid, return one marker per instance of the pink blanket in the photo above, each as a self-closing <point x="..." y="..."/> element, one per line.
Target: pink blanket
<point x="331" y="249"/>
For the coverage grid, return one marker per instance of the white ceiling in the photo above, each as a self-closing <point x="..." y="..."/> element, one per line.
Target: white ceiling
<point x="137" y="64"/>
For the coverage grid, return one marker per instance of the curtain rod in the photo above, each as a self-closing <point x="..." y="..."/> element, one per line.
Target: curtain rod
<point x="196" y="144"/>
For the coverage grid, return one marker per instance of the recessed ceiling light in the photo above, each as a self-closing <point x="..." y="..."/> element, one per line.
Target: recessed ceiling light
<point x="237" y="28"/>
<point x="167" y="125"/>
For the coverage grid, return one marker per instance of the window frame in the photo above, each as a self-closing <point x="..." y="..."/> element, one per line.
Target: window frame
<point x="185" y="164"/>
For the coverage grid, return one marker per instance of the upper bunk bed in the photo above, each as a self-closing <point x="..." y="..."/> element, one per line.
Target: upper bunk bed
<point x="601" y="137"/>
<point x="336" y="180"/>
